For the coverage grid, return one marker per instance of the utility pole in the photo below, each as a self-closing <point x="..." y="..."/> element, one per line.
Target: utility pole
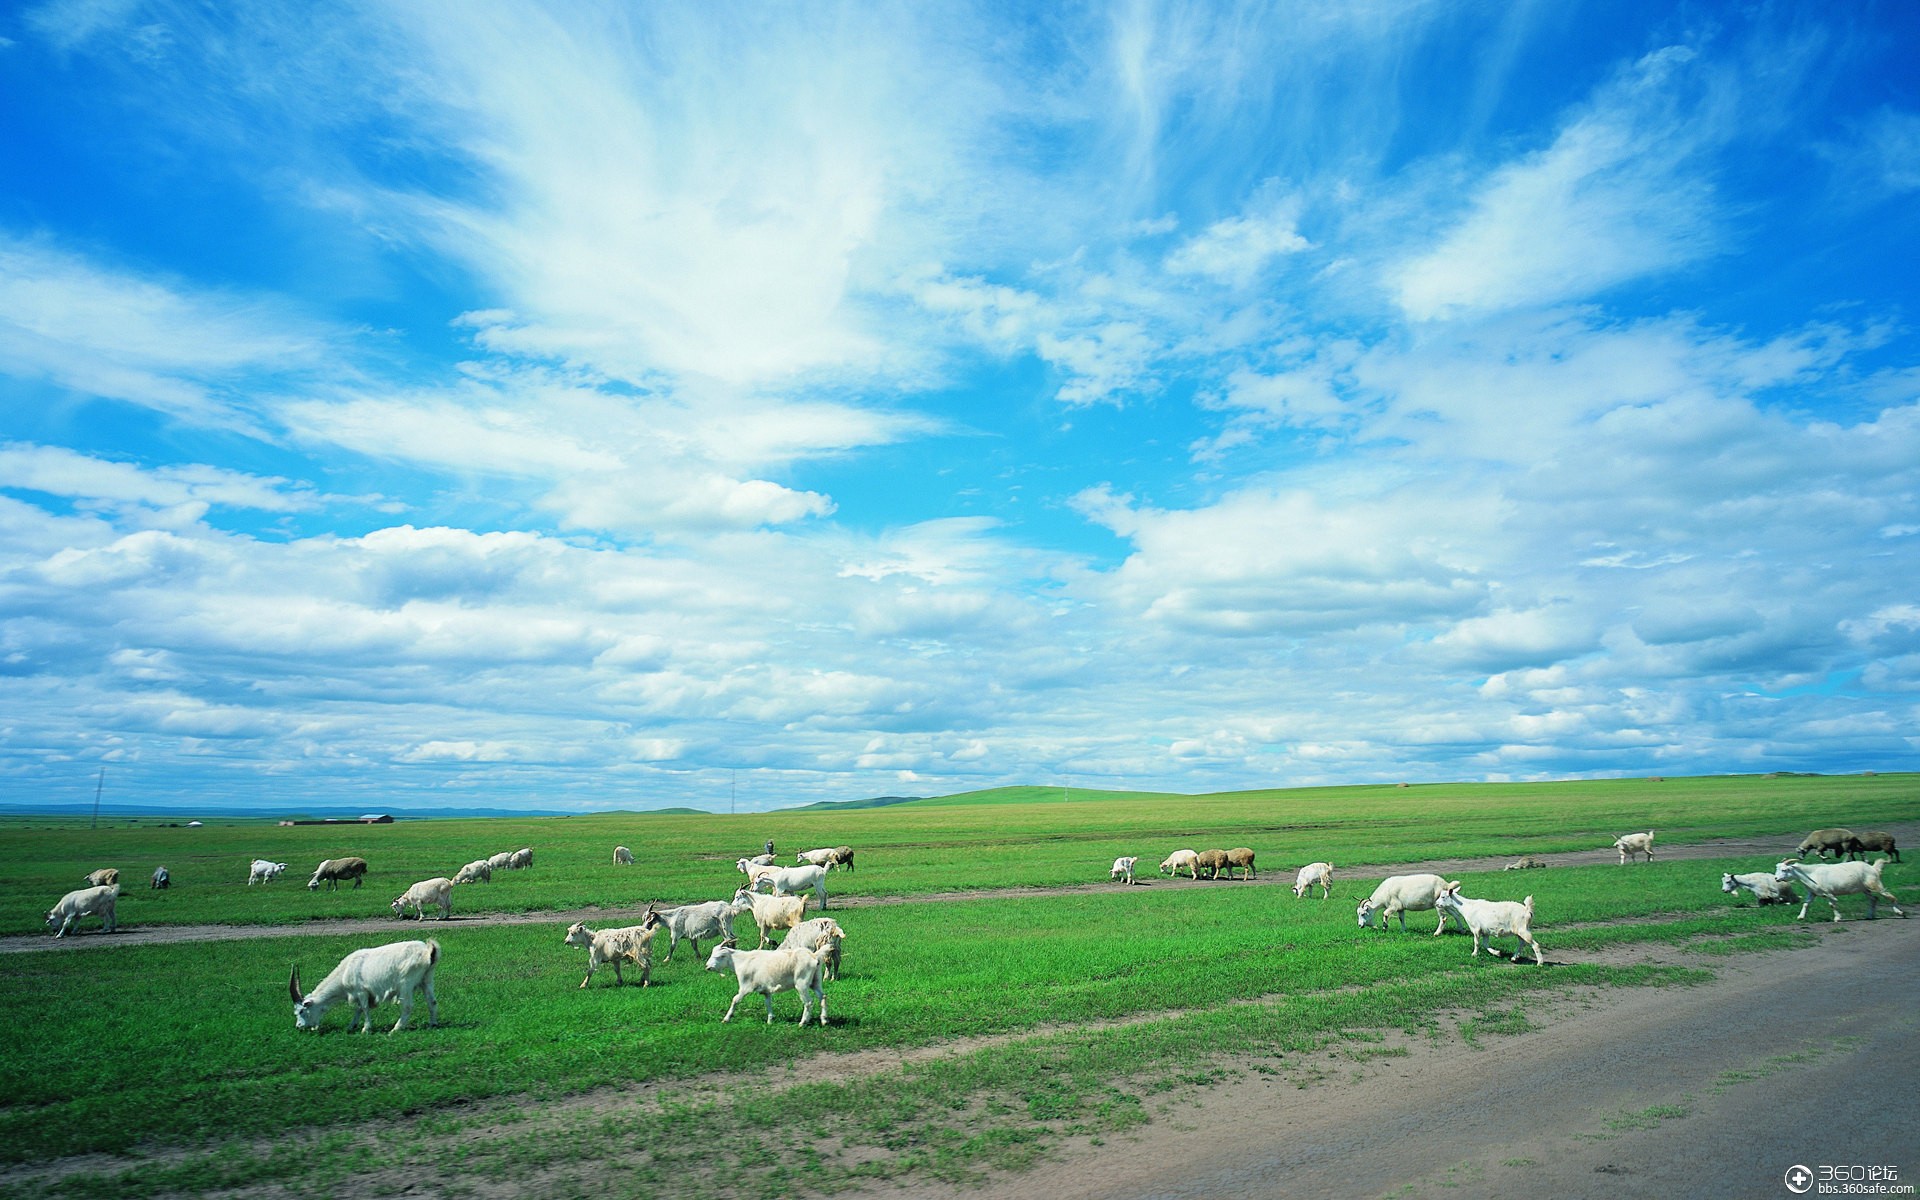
<point x="97" y="788"/>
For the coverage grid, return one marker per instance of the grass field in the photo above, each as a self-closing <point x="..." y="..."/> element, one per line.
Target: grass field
<point x="1009" y="837"/>
<point x="1094" y="1007"/>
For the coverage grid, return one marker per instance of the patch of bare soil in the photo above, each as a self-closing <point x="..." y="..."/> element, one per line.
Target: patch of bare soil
<point x="1768" y="848"/>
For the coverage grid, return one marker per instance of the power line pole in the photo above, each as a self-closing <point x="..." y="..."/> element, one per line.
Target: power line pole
<point x="97" y="789"/>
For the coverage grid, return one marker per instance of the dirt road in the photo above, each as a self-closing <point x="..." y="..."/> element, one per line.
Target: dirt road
<point x="1808" y="1057"/>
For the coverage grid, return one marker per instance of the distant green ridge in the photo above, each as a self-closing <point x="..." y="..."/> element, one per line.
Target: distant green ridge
<point x="874" y="802"/>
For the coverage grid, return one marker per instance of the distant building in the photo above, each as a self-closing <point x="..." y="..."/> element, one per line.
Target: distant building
<point x="362" y="819"/>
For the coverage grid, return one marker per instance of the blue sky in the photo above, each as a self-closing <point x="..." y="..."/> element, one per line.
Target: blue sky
<point x="587" y="405"/>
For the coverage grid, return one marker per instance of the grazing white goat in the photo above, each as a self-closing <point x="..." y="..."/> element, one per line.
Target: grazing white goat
<point x="161" y="880"/>
<point x="1631" y="845"/>
<point x="793" y="881"/>
<point x="1123" y="869"/>
<point x="369" y="978"/>
<point x="765" y="972"/>
<point x="633" y="943"/>
<point x="622" y="857"/>
<point x="333" y="870"/>
<point x="1490" y="919"/>
<point x="477" y="871"/>
<point x="770" y="912"/>
<point x="1829" y="880"/>
<point x="263" y="871"/>
<point x="103" y="877"/>
<point x="762" y="860"/>
<point x="821" y="933"/>
<point x="753" y="869"/>
<point x="1765" y="888"/>
<point x="521" y="859"/>
<point x="1318" y="874"/>
<point x="691" y="922"/>
<point x="86" y="902"/>
<point x="1398" y="895"/>
<point x="436" y="892"/>
<point x="1179" y="859"/>
<point x="502" y="861"/>
<point x="814" y="858"/>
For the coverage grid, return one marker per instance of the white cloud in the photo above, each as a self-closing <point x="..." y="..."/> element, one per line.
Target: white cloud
<point x="62" y="472"/>
<point x="1236" y="249"/>
<point x="1618" y="195"/>
<point x="182" y="351"/>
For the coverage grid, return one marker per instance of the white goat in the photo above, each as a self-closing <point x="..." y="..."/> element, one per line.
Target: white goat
<point x="437" y="892"/>
<point x="814" y="858"/>
<point x="263" y="871"/>
<point x="794" y="881"/>
<point x="691" y="922"/>
<point x="477" y="871"/>
<point x="1123" y="869"/>
<point x="821" y="933"/>
<point x="753" y="869"/>
<point x="521" y="859"/>
<point x="368" y="978"/>
<point x="1181" y="858"/>
<point x="86" y="902"/>
<point x="770" y="912"/>
<point x="1829" y="880"/>
<point x="622" y="857"/>
<point x="1490" y="919"/>
<point x="768" y="971"/>
<point x="103" y="877"/>
<point x="502" y="861"/>
<point x="1631" y="845"/>
<point x="1765" y="888"/>
<point x="1319" y="874"/>
<point x="634" y="943"/>
<point x="1398" y="895"/>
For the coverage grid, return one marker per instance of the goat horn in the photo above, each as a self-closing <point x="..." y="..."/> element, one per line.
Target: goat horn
<point x="293" y="985"/>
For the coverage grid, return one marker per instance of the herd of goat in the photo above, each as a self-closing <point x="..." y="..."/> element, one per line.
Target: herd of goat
<point x="810" y="953"/>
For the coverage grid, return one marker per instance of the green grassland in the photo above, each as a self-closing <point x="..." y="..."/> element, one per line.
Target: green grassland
<point x="1099" y="1007"/>
<point x="1003" y="838"/>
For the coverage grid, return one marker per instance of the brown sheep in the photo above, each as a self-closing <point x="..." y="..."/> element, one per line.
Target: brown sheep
<point x="1211" y="861"/>
<point x="1876" y="841"/>
<point x="1242" y="858"/>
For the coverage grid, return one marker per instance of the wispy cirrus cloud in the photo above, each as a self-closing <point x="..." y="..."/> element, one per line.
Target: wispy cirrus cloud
<point x="190" y="352"/>
<point x="1619" y="194"/>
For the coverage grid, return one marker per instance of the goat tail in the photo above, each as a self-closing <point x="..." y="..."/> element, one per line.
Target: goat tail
<point x="1529" y="904"/>
<point x="433" y="951"/>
